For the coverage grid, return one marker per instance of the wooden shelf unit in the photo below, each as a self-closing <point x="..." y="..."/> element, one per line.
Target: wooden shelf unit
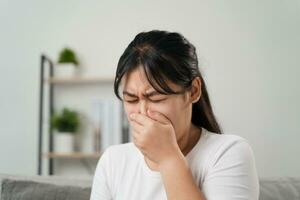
<point x="47" y="77"/>
<point x="76" y="155"/>
<point x="79" y="79"/>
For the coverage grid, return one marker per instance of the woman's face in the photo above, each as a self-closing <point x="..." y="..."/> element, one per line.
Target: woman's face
<point x="139" y="95"/>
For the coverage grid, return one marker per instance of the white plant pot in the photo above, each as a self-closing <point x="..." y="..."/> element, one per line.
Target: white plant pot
<point x="64" y="142"/>
<point x="66" y="70"/>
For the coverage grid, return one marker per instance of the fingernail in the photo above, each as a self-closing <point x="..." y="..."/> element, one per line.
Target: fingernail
<point x="131" y="115"/>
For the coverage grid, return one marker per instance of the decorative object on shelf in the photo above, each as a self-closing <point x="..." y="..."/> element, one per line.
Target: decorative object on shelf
<point x="66" y="125"/>
<point x="97" y="139"/>
<point x="67" y="64"/>
<point x="97" y="126"/>
<point x="107" y="123"/>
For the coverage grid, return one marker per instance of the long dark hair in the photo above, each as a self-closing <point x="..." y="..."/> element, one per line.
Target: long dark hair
<point x="168" y="56"/>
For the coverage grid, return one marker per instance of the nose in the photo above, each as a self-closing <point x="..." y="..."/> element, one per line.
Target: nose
<point x="143" y="107"/>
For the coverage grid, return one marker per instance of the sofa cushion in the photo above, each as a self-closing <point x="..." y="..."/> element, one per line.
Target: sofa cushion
<point x="31" y="190"/>
<point x="279" y="188"/>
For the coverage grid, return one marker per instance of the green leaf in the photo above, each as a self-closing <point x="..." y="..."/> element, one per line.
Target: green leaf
<point x="65" y="121"/>
<point x="67" y="55"/>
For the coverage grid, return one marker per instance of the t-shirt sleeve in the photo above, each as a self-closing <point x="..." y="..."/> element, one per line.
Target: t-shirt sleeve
<point x="100" y="187"/>
<point x="232" y="174"/>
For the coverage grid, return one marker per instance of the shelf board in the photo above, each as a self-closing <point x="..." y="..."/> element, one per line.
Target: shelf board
<point x="72" y="155"/>
<point x="79" y="79"/>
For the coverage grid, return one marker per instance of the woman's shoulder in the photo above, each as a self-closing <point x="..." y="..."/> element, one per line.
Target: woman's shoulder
<point x="213" y="146"/>
<point x="227" y="147"/>
<point x="218" y="140"/>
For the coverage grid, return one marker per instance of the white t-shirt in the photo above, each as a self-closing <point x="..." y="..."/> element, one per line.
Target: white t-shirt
<point x="223" y="167"/>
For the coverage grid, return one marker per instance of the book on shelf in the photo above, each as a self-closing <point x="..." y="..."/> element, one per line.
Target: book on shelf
<point x="108" y="123"/>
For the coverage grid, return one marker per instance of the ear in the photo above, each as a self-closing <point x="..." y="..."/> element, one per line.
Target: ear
<point x="195" y="92"/>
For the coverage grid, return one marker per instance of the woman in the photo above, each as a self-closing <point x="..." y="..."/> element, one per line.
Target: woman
<point x="178" y="151"/>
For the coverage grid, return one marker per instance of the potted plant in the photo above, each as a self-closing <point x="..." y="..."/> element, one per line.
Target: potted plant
<point x="66" y="125"/>
<point x="67" y="64"/>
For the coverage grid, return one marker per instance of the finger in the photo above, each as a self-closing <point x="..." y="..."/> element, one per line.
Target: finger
<point x="135" y="135"/>
<point x="140" y="118"/>
<point x="136" y="126"/>
<point x="132" y="118"/>
<point x="136" y="138"/>
<point x="157" y="116"/>
<point x="135" y="141"/>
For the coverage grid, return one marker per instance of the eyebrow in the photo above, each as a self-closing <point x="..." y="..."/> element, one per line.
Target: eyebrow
<point x="150" y="94"/>
<point x="128" y="94"/>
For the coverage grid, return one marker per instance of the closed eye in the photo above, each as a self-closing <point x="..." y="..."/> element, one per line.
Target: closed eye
<point x="154" y="97"/>
<point x="132" y="101"/>
<point x="151" y="100"/>
<point x="157" y="100"/>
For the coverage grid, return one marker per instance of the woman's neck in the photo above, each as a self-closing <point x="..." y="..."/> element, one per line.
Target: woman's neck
<point x="189" y="140"/>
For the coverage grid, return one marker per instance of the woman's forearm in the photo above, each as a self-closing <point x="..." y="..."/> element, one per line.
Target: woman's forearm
<point x="178" y="180"/>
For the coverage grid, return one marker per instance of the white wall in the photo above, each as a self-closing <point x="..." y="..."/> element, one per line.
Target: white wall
<point x="249" y="53"/>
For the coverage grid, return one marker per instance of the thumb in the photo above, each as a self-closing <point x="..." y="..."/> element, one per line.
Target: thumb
<point x="158" y="117"/>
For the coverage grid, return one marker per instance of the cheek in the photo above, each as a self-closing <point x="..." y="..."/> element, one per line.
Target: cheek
<point x="165" y="109"/>
<point x="180" y="118"/>
<point x="158" y="107"/>
<point x="174" y="114"/>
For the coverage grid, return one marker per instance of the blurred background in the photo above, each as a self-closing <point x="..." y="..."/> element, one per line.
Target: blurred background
<point x="248" y="53"/>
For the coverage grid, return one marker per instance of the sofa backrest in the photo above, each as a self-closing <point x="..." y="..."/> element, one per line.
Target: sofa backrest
<point x="279" y="188"/>
<point x="40" y="187"/>
<point x="274" y="188"/>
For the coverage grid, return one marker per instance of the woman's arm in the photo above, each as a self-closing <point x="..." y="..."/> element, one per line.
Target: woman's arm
<point x="154" y="135"/>
<point x="178" y="180"/>
<point x="231" y="176"/>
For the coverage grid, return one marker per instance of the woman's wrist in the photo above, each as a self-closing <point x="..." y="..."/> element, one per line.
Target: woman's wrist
<point x="177" y="160"/>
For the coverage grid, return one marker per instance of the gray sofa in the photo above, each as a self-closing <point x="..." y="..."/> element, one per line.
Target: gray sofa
<point x="20" y="187"/>
<point x="15" y="187"/>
